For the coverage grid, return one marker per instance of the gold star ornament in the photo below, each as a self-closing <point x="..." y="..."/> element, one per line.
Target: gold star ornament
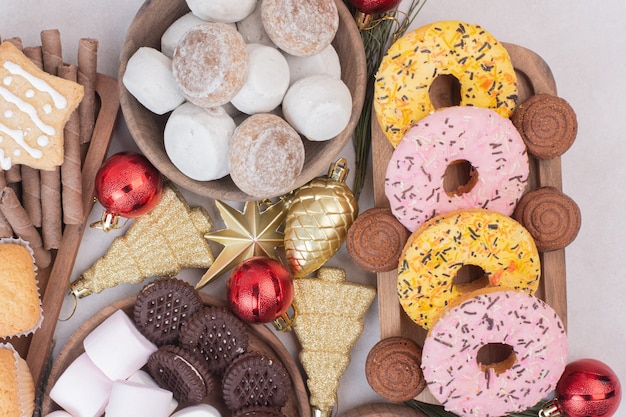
<point x="249" y="233"/>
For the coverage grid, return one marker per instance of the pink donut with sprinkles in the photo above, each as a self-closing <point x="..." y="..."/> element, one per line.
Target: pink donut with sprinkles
<point x="490" y="143"/>
<point x="522" y="326"/>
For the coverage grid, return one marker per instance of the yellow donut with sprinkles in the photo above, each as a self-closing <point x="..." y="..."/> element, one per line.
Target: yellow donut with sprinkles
<point x="465" y="51"/>
<point x="435" y="253"/>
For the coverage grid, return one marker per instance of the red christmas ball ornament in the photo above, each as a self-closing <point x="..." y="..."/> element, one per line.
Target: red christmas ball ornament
<point x="260" y="290"/>
<point x="126" y="185"/>
<point x="587" y="388"/>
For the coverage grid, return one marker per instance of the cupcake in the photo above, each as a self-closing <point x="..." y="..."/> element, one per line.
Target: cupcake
<point x="18" y="387"/>
<point x="21" y="312"/>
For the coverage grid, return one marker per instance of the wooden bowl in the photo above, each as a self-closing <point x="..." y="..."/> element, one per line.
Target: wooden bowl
<point x="262" y="339"/>
<point x="146" y="128"/>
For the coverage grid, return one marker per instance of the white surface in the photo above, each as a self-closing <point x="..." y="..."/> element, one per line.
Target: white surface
<point x="584" y="45"/>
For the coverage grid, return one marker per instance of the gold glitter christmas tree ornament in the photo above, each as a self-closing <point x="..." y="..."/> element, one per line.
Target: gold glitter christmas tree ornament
<point x="161" y="242"/>
<point x="328" y="324"/>
<point x="251" y="233"/>
<point x="318" y="219"/>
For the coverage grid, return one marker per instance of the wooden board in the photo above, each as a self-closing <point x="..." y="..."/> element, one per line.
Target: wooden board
<point x="534" y="77"/>
<point x="54" y="280"/>
<point x="382" y="410"/>
<point x="262" y="339"/>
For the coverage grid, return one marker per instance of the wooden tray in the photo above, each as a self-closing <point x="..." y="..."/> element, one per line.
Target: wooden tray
<point x="382" y="410"/>
<point x="534" y="77"/>
<point x="261" y="339"/>
<point x="54" y="280"/>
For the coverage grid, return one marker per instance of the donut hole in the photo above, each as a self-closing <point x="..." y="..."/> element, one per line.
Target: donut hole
<point x="498" y="356"/>
<point x="470" y="278"/>
<point x="459" y="178"/>
<point x="445" y="91"/>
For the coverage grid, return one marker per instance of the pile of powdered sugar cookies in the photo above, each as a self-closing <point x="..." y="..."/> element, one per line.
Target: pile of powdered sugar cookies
<point x="243" y="85"/>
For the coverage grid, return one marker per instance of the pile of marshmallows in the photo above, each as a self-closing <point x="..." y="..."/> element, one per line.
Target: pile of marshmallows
<point x="107" y="378"/>
<point x="244" y="81"/>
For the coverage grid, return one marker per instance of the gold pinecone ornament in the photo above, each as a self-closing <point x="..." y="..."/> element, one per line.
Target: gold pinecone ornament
<point x="318" y="219"/>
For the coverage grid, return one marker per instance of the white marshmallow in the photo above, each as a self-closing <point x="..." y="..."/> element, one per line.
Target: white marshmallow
<point x="59" y="413"/>
<point x="196" y="141"/>
<point x="266" y="83"/>
<point x="252" y="29"/>
<point x="318" y="106"/>
<point x="325" y="62"/>
<point x="117" y="347"/>
<point x="176" y="30"/>
<point x="199" y="410"/>
<point x="142" y="377"/>
<point x="138" y="400"/>
<point x="82" y="389"/>
<point x="149" y="78"/>
<point x="225" y="11"/>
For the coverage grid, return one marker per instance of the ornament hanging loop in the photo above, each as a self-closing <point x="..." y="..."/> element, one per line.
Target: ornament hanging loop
<point x="366" y="21"/>
<point x="108" y="222"/>
<point x="551" y="409"/>
<point x="284" y="322"/>
<point x="338" y="170"/>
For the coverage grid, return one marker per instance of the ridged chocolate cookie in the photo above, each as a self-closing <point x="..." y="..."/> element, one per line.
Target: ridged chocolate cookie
<point x="254" y="380"/>
<point x="161" y="308"/>
<point x="216" y="334"/>
<point x="258" y="412"/>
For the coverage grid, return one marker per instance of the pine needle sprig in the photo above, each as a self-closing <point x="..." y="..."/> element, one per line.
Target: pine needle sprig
<point x="432" y="410"/>
<point x="376" y="41"/>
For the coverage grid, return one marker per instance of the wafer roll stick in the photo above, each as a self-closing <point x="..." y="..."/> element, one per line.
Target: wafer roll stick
<point x="17" y="42"/>
<point x="87" y="70"/>
<point x="51" y="215"/>
<point x="5" y="228"/>
<point x="51" y="211"/>
<point x="31" y="185"/>
<point x="17" y="217"/>
<point x="71" y="180"/>
<point x="51" y="50"/>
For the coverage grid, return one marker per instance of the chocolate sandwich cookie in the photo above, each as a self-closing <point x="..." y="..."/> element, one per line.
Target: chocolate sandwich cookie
<point x="161" y="308"/>
<point x="376" y="239"/>
<point x="253" y="380"/>
<point x="216" y="334"/>
<point x="258" y="412"/>
<point x="181" y="372"/>
<point x="547" y="125"/>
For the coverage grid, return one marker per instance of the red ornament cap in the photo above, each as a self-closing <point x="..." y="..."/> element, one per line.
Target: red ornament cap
<point x="587" y="388"/>
<point x="126" y="185"/>
<point x="260" y="290"/>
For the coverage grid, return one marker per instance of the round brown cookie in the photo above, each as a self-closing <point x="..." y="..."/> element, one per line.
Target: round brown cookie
<point x="258" y="412"/>
<point x="393" y="369"/>
<point x="181" y="372"/>
<point x="376" y="239"/>
<point x="161" y="308"/>
<point x="552" y="218"/>
<point x="547" y="124"/>
<point x="216" y="334"/>
<point x="254" y="379"/>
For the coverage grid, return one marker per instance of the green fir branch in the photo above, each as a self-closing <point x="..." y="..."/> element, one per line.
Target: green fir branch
<point x="376" y="41"/>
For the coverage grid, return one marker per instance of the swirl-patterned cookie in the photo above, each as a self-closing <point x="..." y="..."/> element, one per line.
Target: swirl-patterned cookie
<point x="547" y="124"/>
<point x="393" y="369"/>
<point x="465" y="51"/>
<point x="376" y="239"/>
<point x="552" y="218"/>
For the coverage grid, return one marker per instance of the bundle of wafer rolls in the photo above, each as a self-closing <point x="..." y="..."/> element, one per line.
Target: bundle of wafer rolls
<point x="36" y="204"/>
